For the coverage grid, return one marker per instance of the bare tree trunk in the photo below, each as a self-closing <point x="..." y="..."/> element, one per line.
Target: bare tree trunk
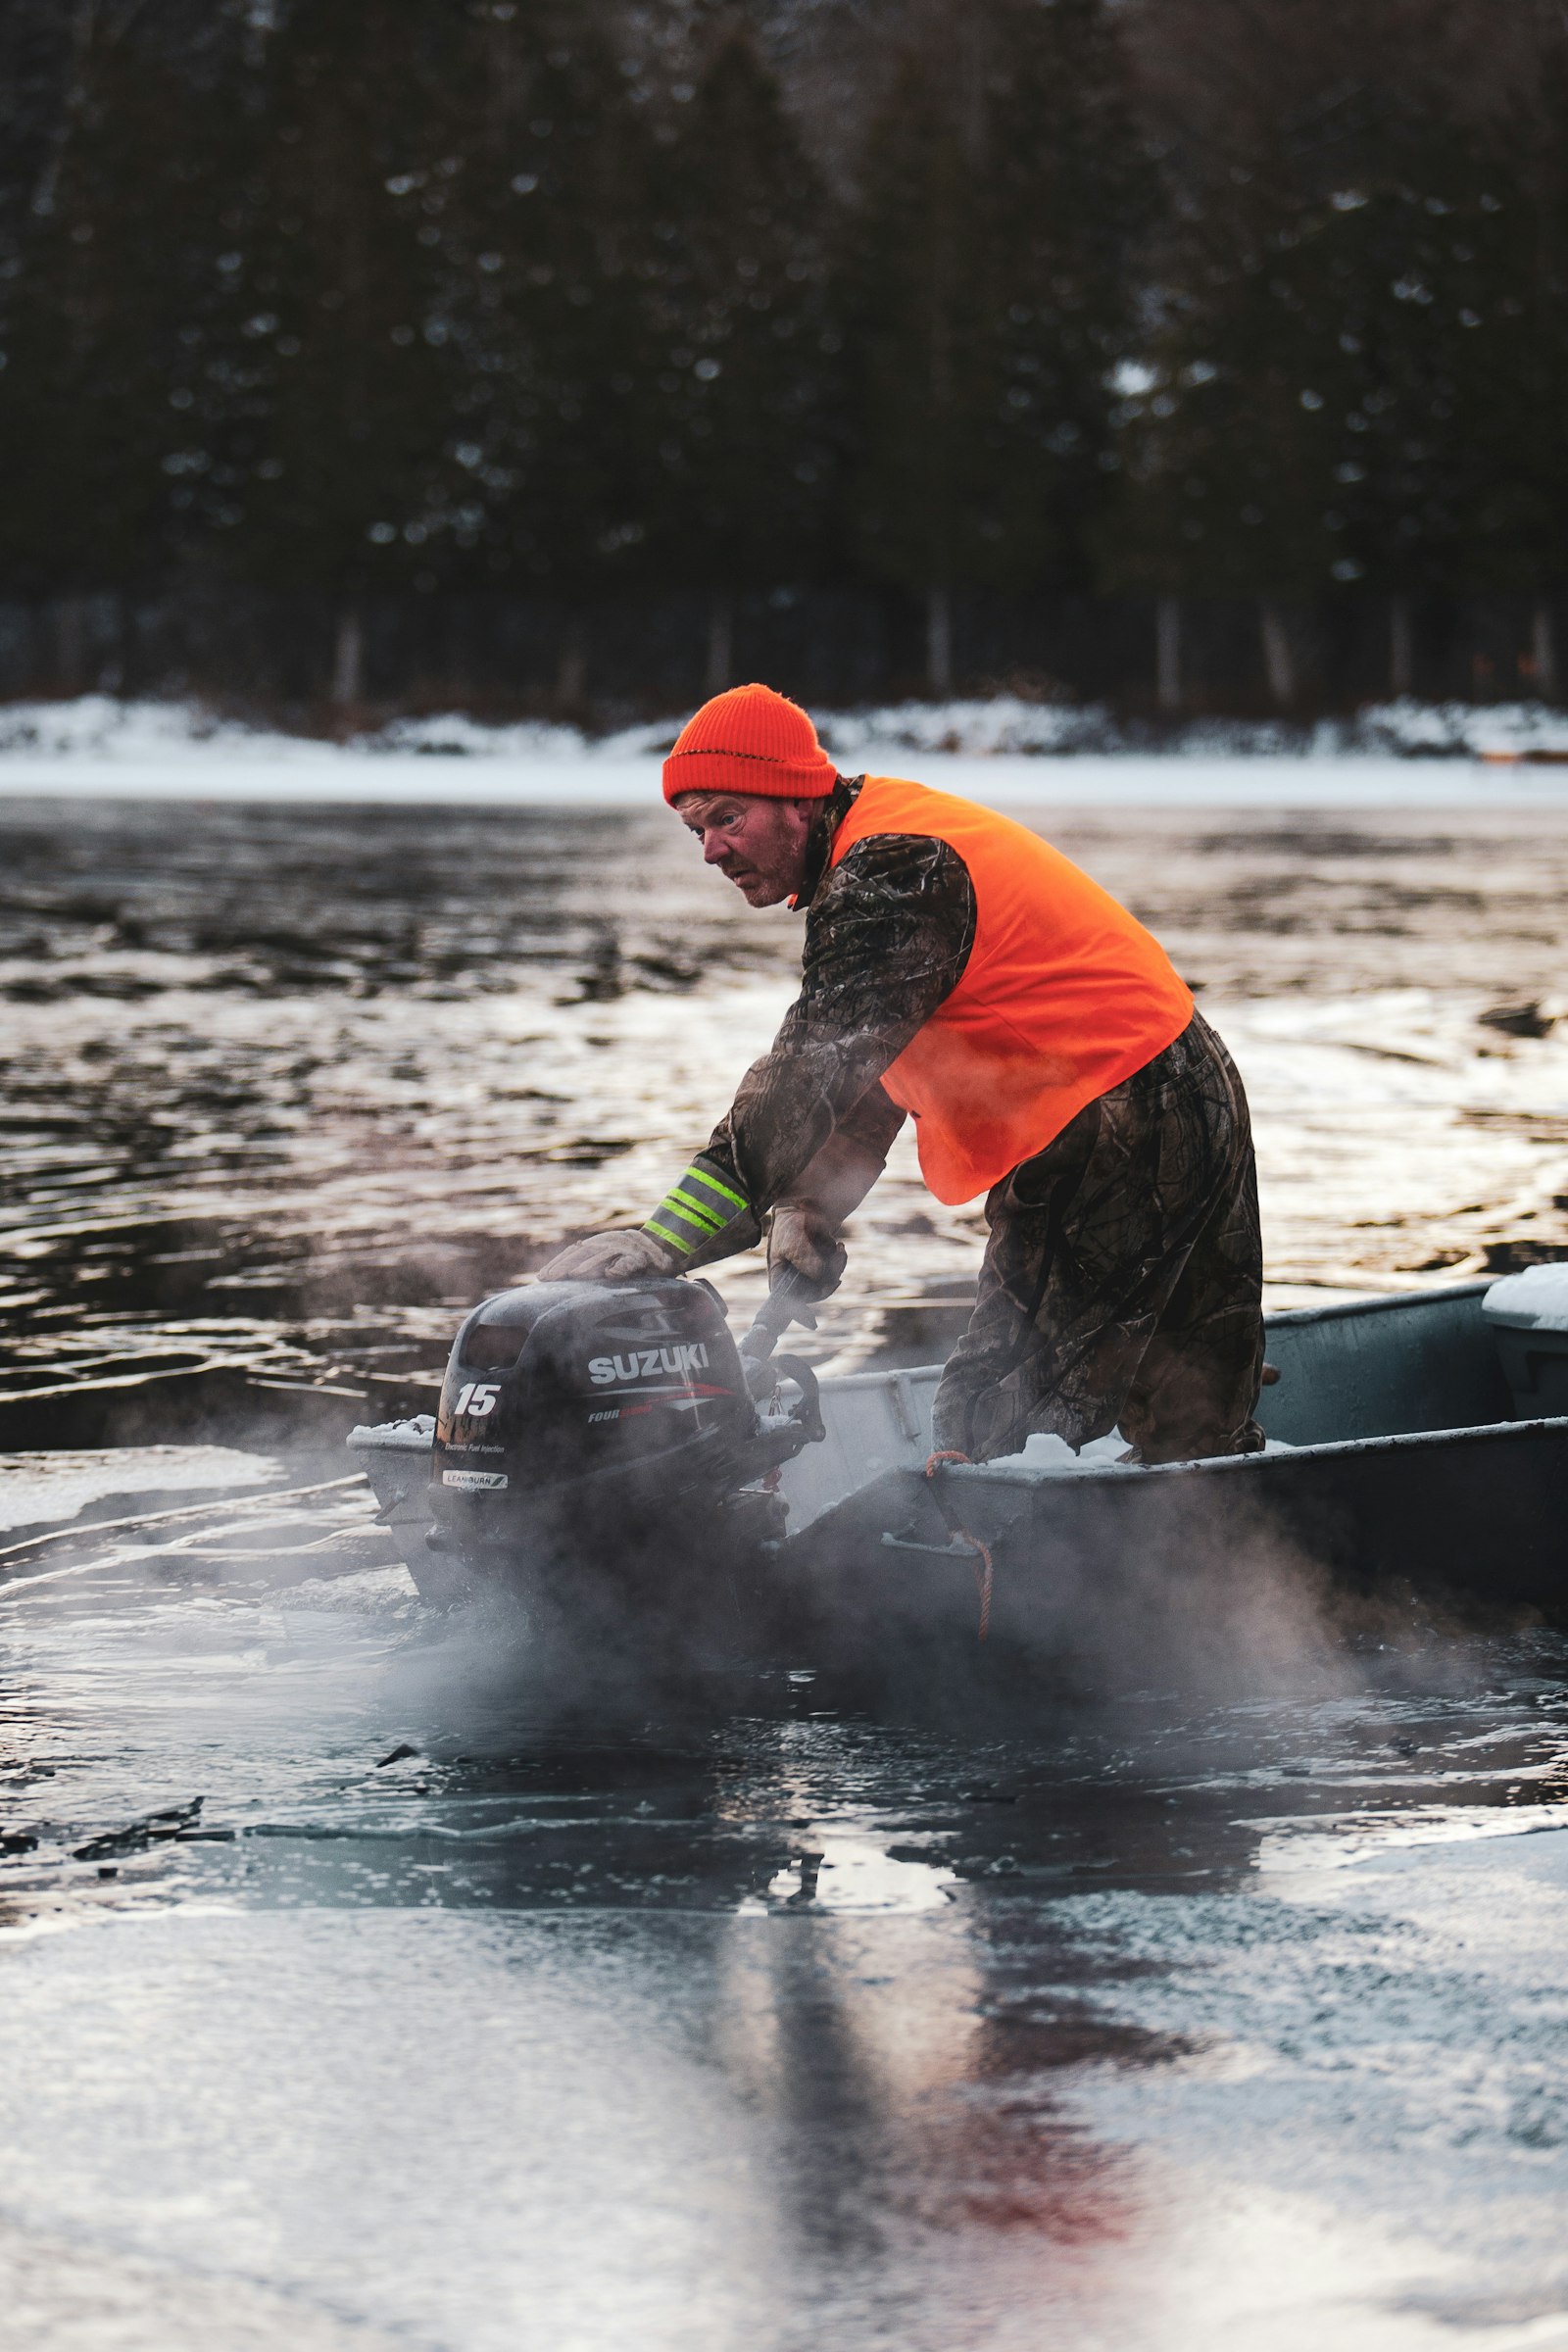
<point x="1168" y="653"/>
<point x="1279" y="659"/>
<point x="1543" y="651"/>
<point x="938" y="641"/>
<point x="347" y="659"/>
<point x="1402" y="648"/>
<point x="571" y="678"/>
<point x="70" y="643"/>
<point x="721" y="642"/>
<point x="111" y="656"/>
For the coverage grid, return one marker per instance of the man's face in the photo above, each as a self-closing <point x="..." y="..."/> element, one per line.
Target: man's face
<point x="758" y="841"/>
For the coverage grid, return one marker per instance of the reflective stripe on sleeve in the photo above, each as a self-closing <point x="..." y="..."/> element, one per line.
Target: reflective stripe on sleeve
<point x="700" y="1206"/>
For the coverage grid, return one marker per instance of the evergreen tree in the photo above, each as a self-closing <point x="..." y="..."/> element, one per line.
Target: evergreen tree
<point x="119" y="300"/>
<point x="1521" y="511"/>
<point x="36" y="57"/>
<point x="990" y="295"/>
<point x="1363" y="343"/>
<point x="551" y="430"/>
<point x="408" y="294"/>
<point x="349" y="387"/>
<point x="745" y="348"/>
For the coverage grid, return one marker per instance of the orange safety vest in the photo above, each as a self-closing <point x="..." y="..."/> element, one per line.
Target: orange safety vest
<point x="1064" y="993"/>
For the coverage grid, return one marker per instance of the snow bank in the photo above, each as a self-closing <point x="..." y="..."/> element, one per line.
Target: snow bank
<point x="1002" y="750"/>
<point x="1006" y="725"/>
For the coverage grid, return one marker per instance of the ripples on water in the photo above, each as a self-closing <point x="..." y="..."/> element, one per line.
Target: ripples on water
<point x="282" y="1090"/>
<point x="361" y="1988"/>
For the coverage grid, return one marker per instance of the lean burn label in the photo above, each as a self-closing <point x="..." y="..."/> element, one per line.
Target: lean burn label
<point x="474" y="1482"/>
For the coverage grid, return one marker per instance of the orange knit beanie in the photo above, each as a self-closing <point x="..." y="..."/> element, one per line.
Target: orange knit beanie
<point x="750" y="740"/>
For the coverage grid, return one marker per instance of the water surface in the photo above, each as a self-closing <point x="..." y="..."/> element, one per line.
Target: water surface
<point x="363" y="1988"/>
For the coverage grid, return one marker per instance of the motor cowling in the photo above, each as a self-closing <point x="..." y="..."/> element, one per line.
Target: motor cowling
<point x="570" y="1399"/>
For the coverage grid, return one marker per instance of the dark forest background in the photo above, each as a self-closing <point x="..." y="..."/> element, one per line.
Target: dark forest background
<point x="575" y="356"/>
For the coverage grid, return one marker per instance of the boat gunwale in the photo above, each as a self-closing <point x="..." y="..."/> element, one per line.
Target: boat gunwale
<point x="1036" y="1477"/>
<point x="1292" y="1317"/>
<point x="1378" y="1302"/>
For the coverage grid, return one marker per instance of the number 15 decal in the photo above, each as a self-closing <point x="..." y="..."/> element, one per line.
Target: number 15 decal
<point x="477" y="1398"/>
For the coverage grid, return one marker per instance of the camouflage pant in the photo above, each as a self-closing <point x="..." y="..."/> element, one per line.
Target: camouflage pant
<point x="1122" y="1280"/>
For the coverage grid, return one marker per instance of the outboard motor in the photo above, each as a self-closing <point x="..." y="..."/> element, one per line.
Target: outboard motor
<point x="595" y="1431"/>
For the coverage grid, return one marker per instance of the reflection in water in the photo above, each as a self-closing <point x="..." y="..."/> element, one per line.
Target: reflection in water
<point x="365" y="1986"/>
<point x="771" y="2023"/>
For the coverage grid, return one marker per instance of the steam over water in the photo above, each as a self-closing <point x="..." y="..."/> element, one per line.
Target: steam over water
<point x="463" y="2010"/>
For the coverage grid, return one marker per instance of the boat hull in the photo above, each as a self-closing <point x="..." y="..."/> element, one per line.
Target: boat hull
<point x="1092" y="1565"/>
<point x="1398" y="1485"/>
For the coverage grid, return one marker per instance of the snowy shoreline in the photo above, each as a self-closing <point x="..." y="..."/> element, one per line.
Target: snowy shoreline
<point x="1003" y="752"/>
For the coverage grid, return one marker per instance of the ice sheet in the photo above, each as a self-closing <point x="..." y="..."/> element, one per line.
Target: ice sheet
<point x="39" y="1487"/>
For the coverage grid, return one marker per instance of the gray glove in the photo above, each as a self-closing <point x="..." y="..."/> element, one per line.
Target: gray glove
<point x="610" y="1257"/>
<point x="804" y="1229"/>
<point x="803" y="1241"/>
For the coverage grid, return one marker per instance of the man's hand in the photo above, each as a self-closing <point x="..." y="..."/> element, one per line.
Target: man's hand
<point x="610" y="1257"/>
<point x="804" y="1232"/>
<point x="801" y="1239"/>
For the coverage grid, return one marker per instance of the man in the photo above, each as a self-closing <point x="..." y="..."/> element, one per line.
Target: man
<point x="959" y="969"/>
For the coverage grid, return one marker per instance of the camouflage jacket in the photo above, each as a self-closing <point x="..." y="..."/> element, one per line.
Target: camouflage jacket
<point x="888" y="933"/>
